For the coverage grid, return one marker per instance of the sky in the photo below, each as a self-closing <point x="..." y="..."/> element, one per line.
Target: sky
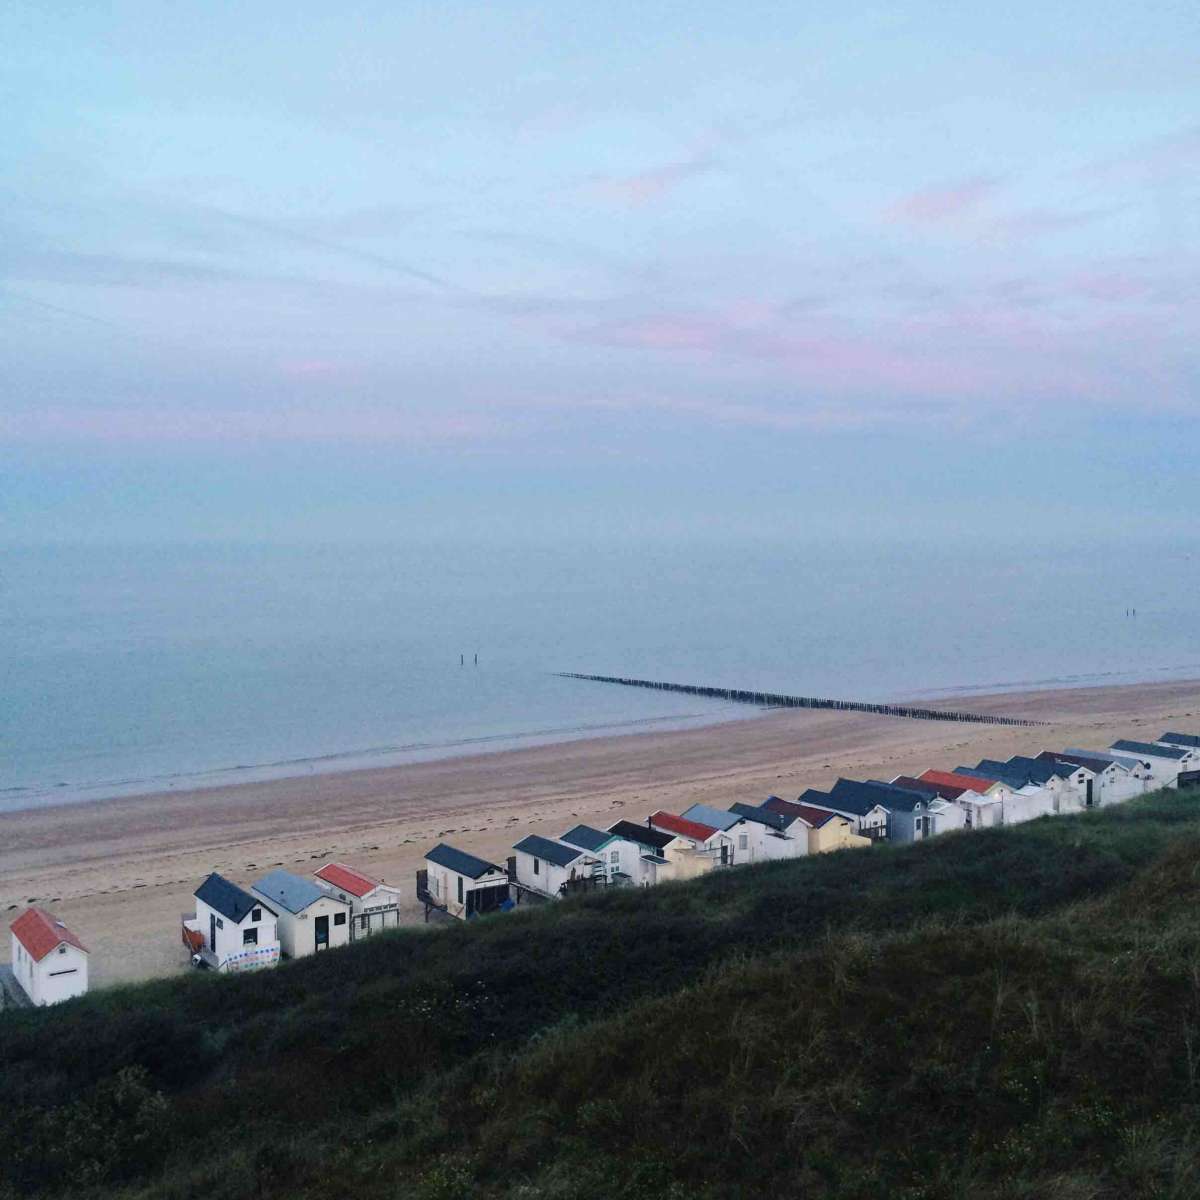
<point x="565" y="269"/>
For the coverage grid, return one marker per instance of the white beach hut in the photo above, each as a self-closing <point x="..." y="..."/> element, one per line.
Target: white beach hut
<point x="460" y="884"/>
<point x="311" y="916"/>
<point x="554" y="869"/>
<point x="374" y="905"/>
<point x="231" y="930"/>
<point x="1165" y="762"/>
<point x="49" y="962"/>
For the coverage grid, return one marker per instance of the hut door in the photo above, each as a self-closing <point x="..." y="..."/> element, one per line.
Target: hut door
<point x="321" y="932"/>
<point x="1089" y="792"/>
<point x="212" y="932"/>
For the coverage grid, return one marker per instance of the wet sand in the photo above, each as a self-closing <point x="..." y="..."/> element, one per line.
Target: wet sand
<point x="121" y="871"/>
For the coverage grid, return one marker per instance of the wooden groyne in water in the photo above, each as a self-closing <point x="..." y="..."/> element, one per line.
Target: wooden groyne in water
<point x="777" y="700"/>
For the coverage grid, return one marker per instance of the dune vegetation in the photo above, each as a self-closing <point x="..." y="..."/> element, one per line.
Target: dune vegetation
<point x="1000" y="1014"/>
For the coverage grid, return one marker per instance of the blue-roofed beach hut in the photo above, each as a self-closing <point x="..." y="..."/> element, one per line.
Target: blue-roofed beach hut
<point x="310" y="915"/>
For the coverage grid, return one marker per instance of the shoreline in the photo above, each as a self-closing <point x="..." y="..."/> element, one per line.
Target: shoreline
<point x="121" y="870"/>
<point x="379" y="758"/>
<point x="31" y="797"/>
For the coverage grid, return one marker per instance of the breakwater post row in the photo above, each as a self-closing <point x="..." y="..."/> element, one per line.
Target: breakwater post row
<point x="777" y="700"/>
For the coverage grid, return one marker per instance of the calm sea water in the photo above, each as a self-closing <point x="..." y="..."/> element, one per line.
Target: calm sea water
<point x="136" y="669"/>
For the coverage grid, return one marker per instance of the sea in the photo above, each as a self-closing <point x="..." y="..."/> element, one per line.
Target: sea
<point x="130" y="669"/>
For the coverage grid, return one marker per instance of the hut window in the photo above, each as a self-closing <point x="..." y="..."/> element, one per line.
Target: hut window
<point x="249" y="937"/>
<point x="614" y="856"/>
<point x="339" y="918"/>
<point x="460" y="889"/>
<point x="537" y="866"/>
<point x="256" y="915"/>
<point x="743" y="841"/>
<point x="62" y="949"/>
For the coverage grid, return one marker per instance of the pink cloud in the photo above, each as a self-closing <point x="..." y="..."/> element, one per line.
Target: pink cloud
<point x="983" y="351"/>
<point x="941" y="205"/>
<point x="643" y="187"/>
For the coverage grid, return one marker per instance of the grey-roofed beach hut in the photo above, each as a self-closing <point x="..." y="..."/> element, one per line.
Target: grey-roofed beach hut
<point x="866" y="811"/>
<point x="461" y="884"/>
<point x="718" y="818"/>
<point x="1183" y="741"/>
<point x="1165" y="762"/>
<point x="552" y="869"/>
<point x="763" y="836"/>
<point x="310" y="916"/>
<point x="1116" y="780"/>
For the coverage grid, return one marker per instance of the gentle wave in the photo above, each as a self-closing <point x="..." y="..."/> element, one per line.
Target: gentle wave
<point x="373" y="756"/>
<point x="1141" y="675"/>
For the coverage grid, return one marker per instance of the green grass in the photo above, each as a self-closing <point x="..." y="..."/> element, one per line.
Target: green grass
<point x="1009" y="1013"/>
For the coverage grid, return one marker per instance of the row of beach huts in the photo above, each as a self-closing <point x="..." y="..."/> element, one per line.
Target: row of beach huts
<point x="853" y="812"/>
<point x="284" y="915"/>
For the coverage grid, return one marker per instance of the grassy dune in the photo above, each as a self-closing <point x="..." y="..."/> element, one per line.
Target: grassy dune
<point x="1010" y="1013"/>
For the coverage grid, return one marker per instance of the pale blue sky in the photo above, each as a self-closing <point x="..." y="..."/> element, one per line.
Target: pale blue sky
<point x="557" y="269"/>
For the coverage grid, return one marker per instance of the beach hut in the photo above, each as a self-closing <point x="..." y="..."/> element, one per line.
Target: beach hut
<point x="754" y="839"/>
<point x="913" y="814"/>
<point x="982" y="801"/>
<point x="1072" y="785"/>
<point x="1165" y="762"/>
<point x="995" y="789"/>
<point x="374" y="905"/>
<point x="697" y="847"/>
<point x="49" y="962"/>
<point x="1139" y="770"/>
<point x="1181" y="741"/>
<point x="554" y="869"/>
<point x="618" y="855"/>
<point x="718" y="818"/>
<point x="868" y="815"/>
<point x="310" y="916"/>
<point x="1113" y="781"/>
<point x="462" y="885"/>
<point x="764" y="836"/>
<point x="824" y="829"/>
<point x="979" y="810"/>
<point x="231" y="930"/>
<point x="652" y="866"/>
<point x="935" y="815"/>
<point x="1023" y="801"/>
<point x="1189" y="777"/>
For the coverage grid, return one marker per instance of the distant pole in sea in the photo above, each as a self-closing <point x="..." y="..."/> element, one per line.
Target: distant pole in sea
<point x="477" y="658"/>
<point x="462" y="660"/>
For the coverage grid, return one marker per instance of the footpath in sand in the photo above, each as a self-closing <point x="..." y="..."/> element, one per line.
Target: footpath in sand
<point x="121" y="871"/>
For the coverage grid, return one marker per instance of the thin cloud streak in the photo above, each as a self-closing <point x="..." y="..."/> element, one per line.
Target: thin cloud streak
<point x="645" y="187"/>
<point x="944" y="204"/>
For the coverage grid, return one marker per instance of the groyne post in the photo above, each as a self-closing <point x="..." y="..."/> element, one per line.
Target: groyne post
<point x="777" y="700"/>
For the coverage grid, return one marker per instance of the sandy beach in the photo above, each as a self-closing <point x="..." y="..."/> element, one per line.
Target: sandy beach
<point x="121" y="871"/>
